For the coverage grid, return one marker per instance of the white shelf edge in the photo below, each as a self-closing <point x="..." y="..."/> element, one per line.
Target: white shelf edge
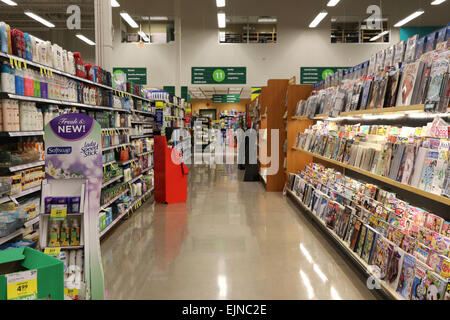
<point x="26" y="166"/>
<point x="115" y="179"/>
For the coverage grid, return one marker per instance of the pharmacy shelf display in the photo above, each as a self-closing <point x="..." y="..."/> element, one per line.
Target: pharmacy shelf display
<point x="381" y="126"/>
<point x="36" y="89"/>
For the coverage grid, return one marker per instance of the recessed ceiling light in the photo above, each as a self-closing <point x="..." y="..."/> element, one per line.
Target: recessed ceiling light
<point x="129" y="20"/>
<point x="409" y="18"/>
<point x="267" y="20"/>
<point x="333" y="3"/>
<point x="39" y="19"/>
<point x="88" y="41"/>
<point x="159" y="18"/>
<point x="9" y="3"/>
<point x="220" y="3"/>
<point x="115" y="4"/>
<point x="437" y="2"/>
<point x="318" y="19"/>
<point x="378" y="36"/>
<point x="221" y="19"/>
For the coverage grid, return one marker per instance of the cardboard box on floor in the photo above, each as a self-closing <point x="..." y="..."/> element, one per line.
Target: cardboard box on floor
<point x="50" y="271"/>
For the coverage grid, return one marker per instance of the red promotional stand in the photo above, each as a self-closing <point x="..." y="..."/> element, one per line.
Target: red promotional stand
<point x="170" y="178"/>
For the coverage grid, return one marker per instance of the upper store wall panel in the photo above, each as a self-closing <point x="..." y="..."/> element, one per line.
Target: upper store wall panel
<point x="68" y="17"/>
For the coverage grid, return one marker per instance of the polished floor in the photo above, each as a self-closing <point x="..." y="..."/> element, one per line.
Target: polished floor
<point x="231" y="240"/>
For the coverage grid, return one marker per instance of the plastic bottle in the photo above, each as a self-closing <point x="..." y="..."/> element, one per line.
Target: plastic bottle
<point x="65" y="232"/>
<point x="19" y="82"/>
<point x="75" y="233"/>
<point x="3" y="38"/>
<point x="43" y="86"/>
<point x="40" y="120"/>
<point x="37" y="84"/>
<point x="55" y="231"/>
<point x="8" y="82"/>
<point x="34" y="49"/>
<point x="28" y="83"/>
<point x="28" y="47"/>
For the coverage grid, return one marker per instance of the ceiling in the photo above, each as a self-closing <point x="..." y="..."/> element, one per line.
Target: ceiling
<point x="208" y="92"/>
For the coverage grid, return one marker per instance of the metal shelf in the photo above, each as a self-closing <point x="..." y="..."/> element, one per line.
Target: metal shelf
<point x="114" y="199"/>
<point x="112" y="181"/>
<point x="59" y="102"/>
<point x="109" y="163"/>
<point x="19" y="195"/>
<point x="114" y="147"/>
<point x="12" y="236"/>
<point x="113" y="129"/>
<point x="135" y="179"/>
<point x="31" y="222"/>
<point x="26" y="166"/>
<point x="149" y="135"/>
<point x="124" y="213"/>
<point x="68" y="75"/>
<point x="22" y="133"/>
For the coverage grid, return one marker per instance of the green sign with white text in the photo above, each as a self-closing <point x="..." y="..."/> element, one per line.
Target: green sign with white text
<point x="137" y="76"/>
<point x="312" y="75"/>
<point x="219" y="75"/>
<point x="226" y="98"/>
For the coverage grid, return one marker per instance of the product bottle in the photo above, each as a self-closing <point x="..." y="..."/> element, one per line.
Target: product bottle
<point x="55" y="232"/>
<point x="8" y="83"/>
<point x="37" y="84"/>
<point x="19" y="82"/>
<point x="65" y="232"/>
<point x="3" y="38"/>
<point x="75" y="233"/>
<point x="28" y="47"/>
<point x="40" y="120"/>
<point x="43" y="86"/>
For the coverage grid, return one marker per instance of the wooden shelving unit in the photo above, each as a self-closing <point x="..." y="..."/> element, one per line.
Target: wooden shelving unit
<point x="295" y="160"/>
<point x="394" y="183"/>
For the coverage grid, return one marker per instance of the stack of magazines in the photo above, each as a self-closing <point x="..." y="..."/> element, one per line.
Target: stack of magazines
<point x="402" y="75"/>
<point x="404" y="246"/>
<point x="418" y="157"/>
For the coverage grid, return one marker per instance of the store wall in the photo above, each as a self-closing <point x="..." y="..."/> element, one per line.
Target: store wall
<point x="298" y="46"/>
<point x="207" y="104"/>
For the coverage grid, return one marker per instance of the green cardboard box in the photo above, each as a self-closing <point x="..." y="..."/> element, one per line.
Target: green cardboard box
<point x="50" y="271"/>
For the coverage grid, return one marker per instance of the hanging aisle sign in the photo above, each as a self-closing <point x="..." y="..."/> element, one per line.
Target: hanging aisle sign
<point x="73" y="144"/>
<point x="226" y="98"/>
<point x="219" y="75"/>
<point x="312" y="75"/>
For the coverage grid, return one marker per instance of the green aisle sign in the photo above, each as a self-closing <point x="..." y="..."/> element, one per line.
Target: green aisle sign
<point x="226" y="98"/>
<point x="219" y="75"/>
<point x="137" y="76"/>
<point x="312" y="75"/>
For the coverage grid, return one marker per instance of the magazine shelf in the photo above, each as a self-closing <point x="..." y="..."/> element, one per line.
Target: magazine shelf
<point x="360" y="263"/>
<point x="391" y="182"/>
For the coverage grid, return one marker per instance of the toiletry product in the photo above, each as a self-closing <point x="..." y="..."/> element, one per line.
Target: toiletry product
<point x="55" y="231"/>
<point x="48" y="204"/>
<point x="3" y="37"/>
<point x="8" y="83"/>
<point x="75" y="205"/>
<point x="65" y="234"/>
<point x="75" y="233"/>
<point x="28" y="47"/>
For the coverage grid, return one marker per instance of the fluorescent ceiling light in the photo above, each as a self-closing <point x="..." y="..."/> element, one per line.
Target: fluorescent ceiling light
<point x="221" y="36"/>
<point x="115" y="4"/>
<point x="221" y="19"/>
<point x="318" y="19"/>
<point x="88" y="41"/>
<point x="379" y="36"/>
<point x="159" y="18"/>
<point x="434" y="3"/>
<point x="144" y="36"/>
<point x="409" y="18"/>
<point x="220" y="3"/>
<point x="129" y="20"/>
<point x="9" y="3"/>
<point x="267" y="20"/>
<point x="39" y="19"/>
<point x="333" y="3"/>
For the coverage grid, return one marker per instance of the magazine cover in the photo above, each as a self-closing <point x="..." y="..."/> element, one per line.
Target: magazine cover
<point x="418" y="284"/>
<point x="439" y="69"/>
<point x="446" y="229"/>
<point x="434" y="222"/>
<point x="399" y="52"/>
<point x="431" y="42"/>
<point x="435" y="261"/>
<point x="367" y="251"/>
<point x="382" y="256"/>
<point x="355" y="234"/>
<point x="366" y="93"/>
<point x="407" y="84"/>
<point x="409" y="244"/>
<point x="422" y="252"/>
<point x="389" y="59"/>
<point x="395" y="267"/>
<point x="440" y="244"/>
<point x="425" y="237"/>
<point x="392" y="91"/>
<point x="420" y="47"/>
<point x="435" y="286"/>
<point x="408" y="164"/>
<point x="406" y="276"/>
<point x="410" y="52"/>
<point x="428" y="170"/>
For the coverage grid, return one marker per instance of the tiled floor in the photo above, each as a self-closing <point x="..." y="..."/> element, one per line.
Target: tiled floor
<point x="231" y="240"/>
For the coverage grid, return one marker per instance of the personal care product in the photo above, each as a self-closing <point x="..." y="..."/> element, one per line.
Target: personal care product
<point x="75" y="205"/>
<point x="65" y="234"/>
<point x="75" y="233"/>
<point x="55" y="231"/>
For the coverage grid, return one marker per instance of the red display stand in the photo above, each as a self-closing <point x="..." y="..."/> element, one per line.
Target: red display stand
<point x="170" y="178"/>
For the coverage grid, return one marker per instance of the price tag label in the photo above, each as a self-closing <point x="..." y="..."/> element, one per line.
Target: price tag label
<point x="70" y="292"/>
<point x="11" y="62"/>
<point x="22" y="285"/>
<point x="58" y="212"/>
<point x="55" y="252"/>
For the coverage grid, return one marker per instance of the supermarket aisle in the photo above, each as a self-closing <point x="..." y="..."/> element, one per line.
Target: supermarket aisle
<point x="232" y="240"/>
